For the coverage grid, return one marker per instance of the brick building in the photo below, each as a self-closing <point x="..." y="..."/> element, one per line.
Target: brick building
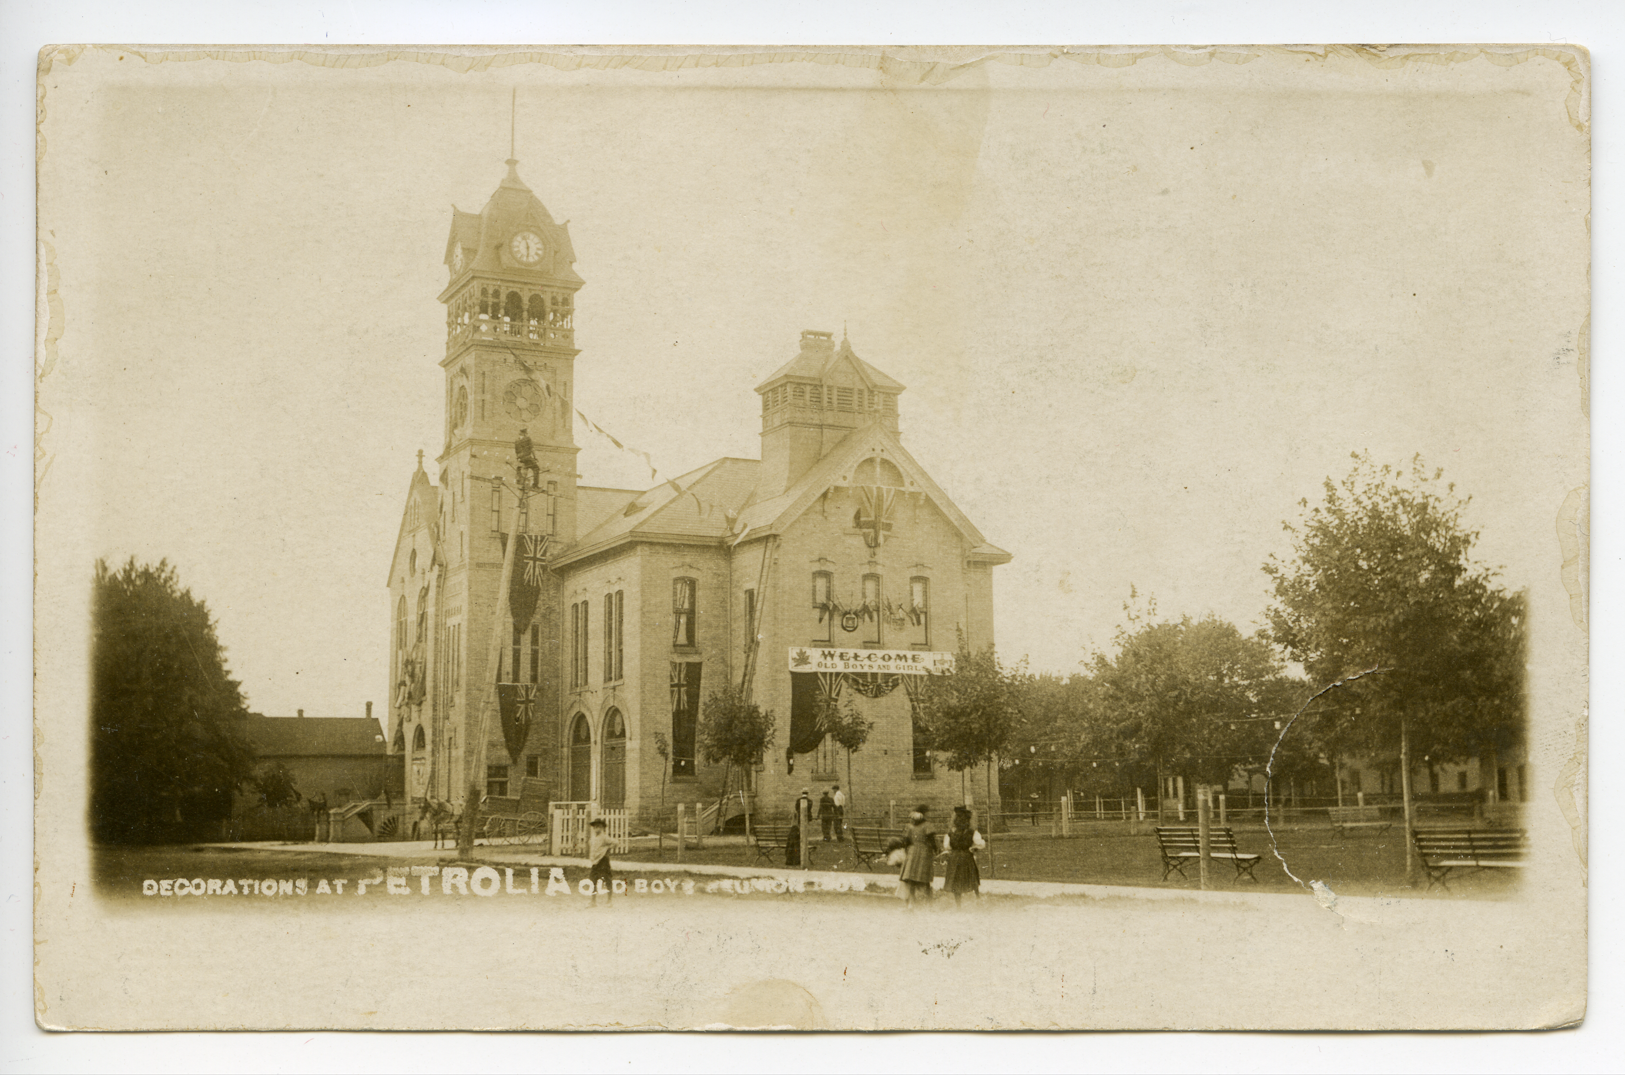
<point x="836" y="538"/>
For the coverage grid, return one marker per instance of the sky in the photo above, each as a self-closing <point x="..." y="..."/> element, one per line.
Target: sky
<point x="1141" y="312"/>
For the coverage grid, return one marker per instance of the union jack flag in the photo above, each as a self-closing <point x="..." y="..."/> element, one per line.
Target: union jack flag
<point x="533" y="557"/>
<point x="517" y="705"/>
<point x="874" y="517"/>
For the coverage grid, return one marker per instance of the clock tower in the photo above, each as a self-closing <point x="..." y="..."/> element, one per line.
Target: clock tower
<point x="509" y="367"/>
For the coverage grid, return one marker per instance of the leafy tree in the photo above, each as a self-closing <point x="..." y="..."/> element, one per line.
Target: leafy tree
<point x="844" y="724"/>
<point x="733" y="730"/>
<point x="971" y="714"/>
<point x="166" y="754"/>
<point x="1195" y="697"/>
<point x="1382" y="597"/>
<point x="275" y="783"/>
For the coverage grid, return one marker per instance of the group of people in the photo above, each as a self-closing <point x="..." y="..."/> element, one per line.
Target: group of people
<point x="830" y="812"/>
<point x="916" y="853"/>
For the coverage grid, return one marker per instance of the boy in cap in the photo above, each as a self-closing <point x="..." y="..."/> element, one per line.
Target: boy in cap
<point x="598" y="856"/>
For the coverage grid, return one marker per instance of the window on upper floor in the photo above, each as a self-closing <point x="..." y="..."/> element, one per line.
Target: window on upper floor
<point x="823" y="623"/>
<point x="496" y="509"/>
<point x="919" y="612"/>
<point x="535" y="653"/>
<point x="684" y="593"/>
<point x="614" y="618"/>
<point x="874" y="611"/>
<point x="419" y="741"/>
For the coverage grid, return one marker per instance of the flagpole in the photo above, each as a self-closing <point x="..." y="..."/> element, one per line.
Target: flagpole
<point x="474" y="777"/>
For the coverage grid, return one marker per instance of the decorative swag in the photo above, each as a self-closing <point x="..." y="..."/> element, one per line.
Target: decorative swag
<point x="812" y="693"/>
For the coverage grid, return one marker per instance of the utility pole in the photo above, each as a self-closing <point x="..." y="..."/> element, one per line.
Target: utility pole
<point x="474" y="776"/>
<point x="1204" y="829"/>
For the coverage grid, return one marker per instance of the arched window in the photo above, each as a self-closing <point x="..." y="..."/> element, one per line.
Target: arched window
<point x="538" y="310"/>
<point x="612" y="778"/>
<point x="919" y="611"/>
<point x="516" y="307"/>
<point x="580" y="760"/>
<point x="399" y="746"/>
<point x="419" y="740"/>
<point x="423" y="615"/>
<point x="400" y="624"/>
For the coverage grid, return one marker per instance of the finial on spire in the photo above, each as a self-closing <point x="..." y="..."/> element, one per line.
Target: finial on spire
<point x="420" y="458"/>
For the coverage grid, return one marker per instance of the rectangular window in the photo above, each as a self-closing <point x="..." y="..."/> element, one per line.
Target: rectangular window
<point x="922" y="755"/>
<point x="1501" y="784"/>
<point x="496" y="510"/>
<point x="824" y="759"/>
<point x="535" y="653"/>
<point x="551" y="505"/>
<point x="496" y="780"/>
<point x="1523" y="785"/>
<point x="533" y="766"/>
<point x="578" y="643"/>
<point x="456" y="656"/>
<point x="682" y="611"/>
<point x="515" y="673"/>
<point x="620" y="635"/>
<point x="919" y="612"/>
<point x="1461" y="780"/>
<point x="823" y="612"/>
<point x="685" y="712"/>
<point x="614" y="604"/>
<point x="873" y="612"/>
<point x="843" y="399"/>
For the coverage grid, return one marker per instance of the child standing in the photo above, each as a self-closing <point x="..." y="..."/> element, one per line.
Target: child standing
<point x="599" y="872"/>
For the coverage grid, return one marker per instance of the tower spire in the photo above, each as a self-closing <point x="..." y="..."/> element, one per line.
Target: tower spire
<point x="513" y="122"/>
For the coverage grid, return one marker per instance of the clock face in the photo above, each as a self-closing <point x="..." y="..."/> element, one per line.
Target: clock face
<point x="457" y="260"/>
<point x="527" y="247"/>
<point x="523" y="400"/>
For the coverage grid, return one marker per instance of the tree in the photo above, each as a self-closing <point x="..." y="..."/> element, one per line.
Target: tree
<point x="733" y="730"/>
<point x="166" y="753"/>
<point x="1383" y="600"/>
<point x="1195" y="696"/>
<point x="275" y="783"/>
<point x="663" y="748"/>
<point x="846" y="726"/>
<point x="971" y="714"/>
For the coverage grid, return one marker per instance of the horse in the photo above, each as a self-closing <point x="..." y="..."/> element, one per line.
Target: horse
<point x="442" y="818"/>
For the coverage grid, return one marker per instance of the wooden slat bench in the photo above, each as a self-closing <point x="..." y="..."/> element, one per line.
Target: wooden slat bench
<point x="770" y="838"/>
<point x="869" y="843"/>
<point x="1345" y="818"/>
<point x="1444" y="850"/>
<point x="1180" y="846"/>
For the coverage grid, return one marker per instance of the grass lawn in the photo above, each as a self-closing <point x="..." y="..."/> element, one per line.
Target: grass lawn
<point x="1365" y="864"/>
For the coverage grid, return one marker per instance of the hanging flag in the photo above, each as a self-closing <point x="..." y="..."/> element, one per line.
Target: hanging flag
<point x="517" y="703"/>
<point x="874" y="517"/>
<point x="526" y="586"/>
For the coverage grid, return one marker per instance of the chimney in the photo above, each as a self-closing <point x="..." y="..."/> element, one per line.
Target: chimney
<point x="301" y="712"/>
<point x="369" y="710"/>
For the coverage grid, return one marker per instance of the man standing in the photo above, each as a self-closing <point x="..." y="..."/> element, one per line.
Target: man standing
<point x="839" y="798"/>
<point x="826" y="815"/>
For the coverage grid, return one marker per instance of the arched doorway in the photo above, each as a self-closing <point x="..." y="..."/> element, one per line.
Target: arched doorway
<point x="580" y="760"/>
<point x="612" y="778"/>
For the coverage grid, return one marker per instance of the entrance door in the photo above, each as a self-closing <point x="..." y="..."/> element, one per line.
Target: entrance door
<point x="612" y="779"/>
<point x="580" y="760"/>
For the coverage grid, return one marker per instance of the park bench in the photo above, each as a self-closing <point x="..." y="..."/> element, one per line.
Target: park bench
<point x="1445" y="850"/>
<point x="1345" y="818"/>
<point x="869" y="843"/>
<point x="1181" y="845"/>
<point x="770" y="838"/>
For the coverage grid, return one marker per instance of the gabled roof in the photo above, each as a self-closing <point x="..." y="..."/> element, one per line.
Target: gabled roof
<point x="429" y="496"/>
<point x="693" y="507"/>
<point x="283" y="737"/>
<point x="812" y="364"/>
<point x="595" y="504"/>
<point x="776" y="514"/>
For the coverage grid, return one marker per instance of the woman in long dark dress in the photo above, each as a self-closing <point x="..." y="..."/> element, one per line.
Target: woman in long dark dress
<point x="962" y="874"/>
<point x="919" y="858"/>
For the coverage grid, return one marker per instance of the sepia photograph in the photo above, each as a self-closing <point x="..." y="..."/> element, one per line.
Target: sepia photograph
<point x="812" y="538"/>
